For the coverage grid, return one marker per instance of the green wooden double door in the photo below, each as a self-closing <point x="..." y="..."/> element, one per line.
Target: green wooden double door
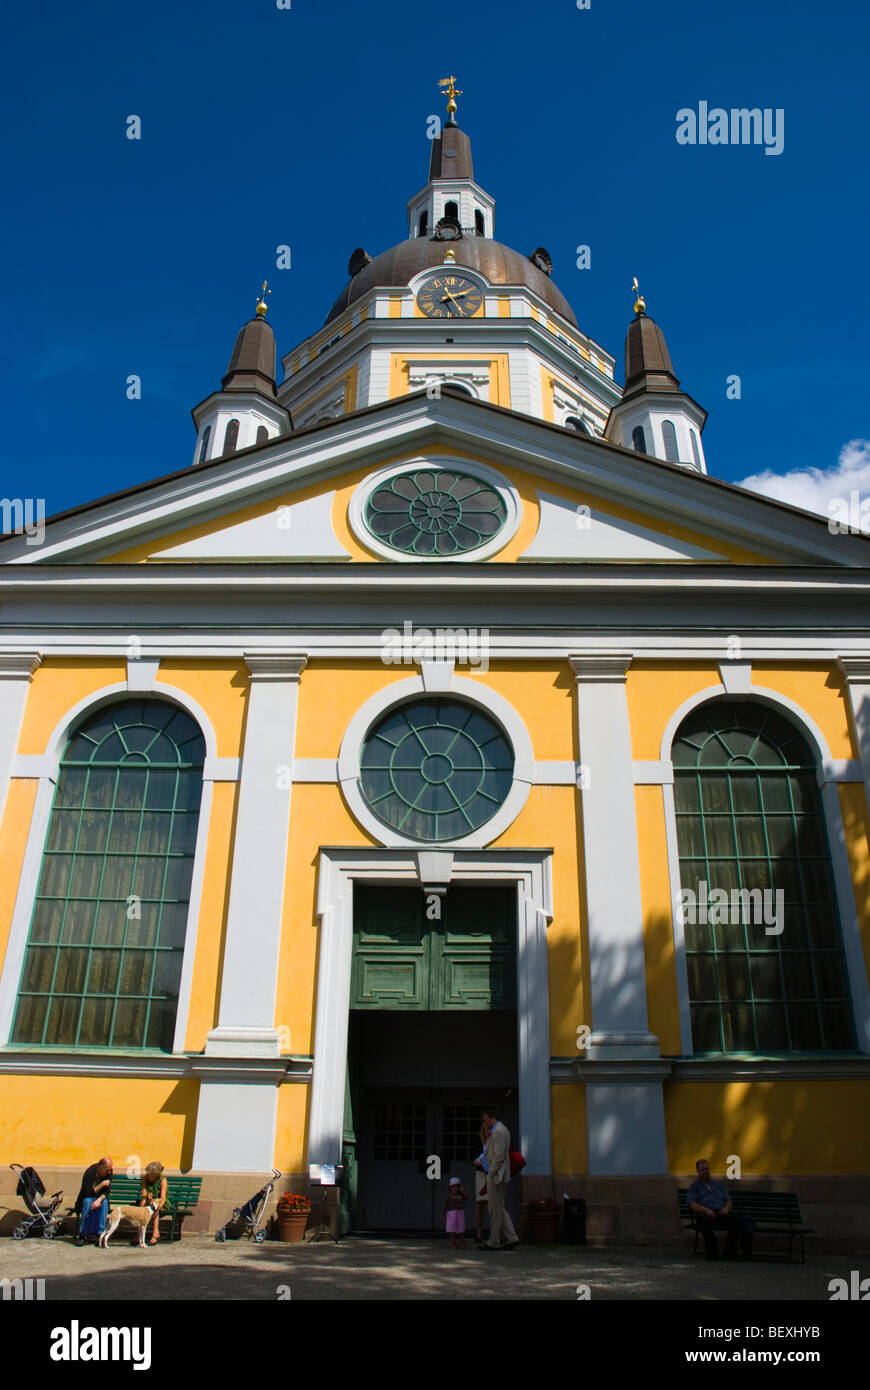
<point x="432" y="1039"/>
<point x="417" y="952"/>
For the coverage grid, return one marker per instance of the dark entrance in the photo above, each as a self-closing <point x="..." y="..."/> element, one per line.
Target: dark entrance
<point x="432" y="1038"/>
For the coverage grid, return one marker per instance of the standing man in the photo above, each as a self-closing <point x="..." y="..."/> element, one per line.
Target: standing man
<point x="502" y="1235"/>
<point x="94" y="1195"/>
<point x="711" y="1204"/>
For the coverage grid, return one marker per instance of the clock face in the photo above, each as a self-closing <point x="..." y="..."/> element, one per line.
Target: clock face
<point x="449" y="296"/>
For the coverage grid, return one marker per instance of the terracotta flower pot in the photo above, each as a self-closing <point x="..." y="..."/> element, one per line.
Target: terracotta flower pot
<point x="291" y="1227"/>
<point x="544" y="1226"/>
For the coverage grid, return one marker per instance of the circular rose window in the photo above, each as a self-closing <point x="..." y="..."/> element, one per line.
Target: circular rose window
<point x="435" y="769"/>
<point x="435" y="512"/>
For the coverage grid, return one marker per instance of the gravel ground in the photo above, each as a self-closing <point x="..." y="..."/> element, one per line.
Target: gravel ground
<point x="359" y="1269"/>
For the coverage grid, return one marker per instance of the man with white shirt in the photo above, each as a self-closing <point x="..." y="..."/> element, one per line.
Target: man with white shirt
<point x="502" y="1235"/>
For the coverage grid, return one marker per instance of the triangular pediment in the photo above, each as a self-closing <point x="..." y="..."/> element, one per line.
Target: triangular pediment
<point x="575" y="499"/>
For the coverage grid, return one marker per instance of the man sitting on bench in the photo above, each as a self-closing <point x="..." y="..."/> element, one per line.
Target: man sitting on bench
<point x="712" y="1208"/>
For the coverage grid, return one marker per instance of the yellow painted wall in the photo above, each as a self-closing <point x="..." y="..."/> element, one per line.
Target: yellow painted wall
<point x="14" y="830"/>
<point x="853" y="806"/>
<point x="212" y="924"/>
<point x="568" y="1126"/>
<point x="773" y="1126"/>
<point x="782" y="1126"/>
<point x="221" y="688"/>
<point x="57" y="685"/>
<point x="499" y="374"/>
<point x="658" y="932"/>
<point x="291" y="1132"/>
<point x="54" y="1121"/>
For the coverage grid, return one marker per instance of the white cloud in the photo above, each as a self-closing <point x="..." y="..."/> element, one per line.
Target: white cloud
<point x="814" y="488"/>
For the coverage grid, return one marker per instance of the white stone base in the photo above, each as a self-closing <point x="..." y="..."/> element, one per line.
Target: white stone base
<point x="235" y="1126"/>
<point x="625" y="1123"/>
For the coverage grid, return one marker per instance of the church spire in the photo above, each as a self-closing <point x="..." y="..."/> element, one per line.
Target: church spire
<point x="655" y="416"/>
<point x="451" y="205"/>
<point x="245" y="411"/>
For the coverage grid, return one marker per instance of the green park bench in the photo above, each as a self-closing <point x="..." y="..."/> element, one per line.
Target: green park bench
<point x="183" y="1193"/>
<point x="773" y="1213"/>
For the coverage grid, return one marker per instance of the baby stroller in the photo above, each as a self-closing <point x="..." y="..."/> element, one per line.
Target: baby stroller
<point x="251" y="1214"/>
<point x="31" y="1188"/>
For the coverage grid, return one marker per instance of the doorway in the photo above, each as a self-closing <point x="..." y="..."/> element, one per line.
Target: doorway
<point x="432" y="1039"/>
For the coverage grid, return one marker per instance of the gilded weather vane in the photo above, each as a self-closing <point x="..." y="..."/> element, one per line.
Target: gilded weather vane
<point x="639" y="302"/>
<point x="262" y="306"/>
<point x="452" y="93"/>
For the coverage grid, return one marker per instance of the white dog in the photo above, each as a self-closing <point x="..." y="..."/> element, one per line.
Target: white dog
<point x="140" y="1216"/>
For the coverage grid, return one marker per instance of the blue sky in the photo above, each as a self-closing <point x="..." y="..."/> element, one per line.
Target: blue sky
<point x="307" y="126"/>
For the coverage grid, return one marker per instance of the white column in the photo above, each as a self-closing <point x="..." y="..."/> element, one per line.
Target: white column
<point x="856" y="670"/>
<point x="533" y="1023"/>
<point x="624" y="1102"/>
<point x="246" y="1023"/>
<point x="16" y="673"/>
<point x="335" y="910"/>
<point x="236" y="1118"/>
<point x="615" y="916"/>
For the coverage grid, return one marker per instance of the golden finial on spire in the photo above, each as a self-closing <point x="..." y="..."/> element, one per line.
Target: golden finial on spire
<point x="452" y="93"/>
<point x="639" y="303"/>
<point x="262" y="306"/>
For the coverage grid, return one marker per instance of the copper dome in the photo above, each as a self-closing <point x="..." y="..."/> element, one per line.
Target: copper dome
<point x="498" y="263"/>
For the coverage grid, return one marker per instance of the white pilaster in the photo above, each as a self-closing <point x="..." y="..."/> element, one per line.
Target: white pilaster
<point x="624" y="1104"/>
<point x="235" y="1127"/>
<point x="856" y="672"/>
<point x="615" y="917"/>
<point x="16" y="673"/>
<point x="246" y="1023"/>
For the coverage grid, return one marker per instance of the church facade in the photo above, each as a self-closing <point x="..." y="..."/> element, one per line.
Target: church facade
<point x="444" y="735"/>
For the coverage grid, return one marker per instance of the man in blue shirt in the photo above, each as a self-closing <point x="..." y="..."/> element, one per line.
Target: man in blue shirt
<point x="712" y="1208"/>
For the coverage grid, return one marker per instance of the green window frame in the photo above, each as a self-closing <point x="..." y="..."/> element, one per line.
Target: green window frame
<point x="436" y="769"/>
<point x="749" y="816"/>
<point x="435" y="512"/>
<point x="103" y="961"/>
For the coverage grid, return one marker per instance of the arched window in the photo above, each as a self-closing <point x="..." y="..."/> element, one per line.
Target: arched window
<point x="638" y="439"/>
<point x="573" y="422"/>
<point x="451" y="210"/>
<point x="764" y="956"/>
<point x="262" y="434"/>
<point x="696" y="452"/>
<point x="203" y="450"/>
<point x="669" y="435"/>
<point x="103" y="960"/>
<point x="479" y="222"/>
<point x="231" y="438"/>
<point x="424" y="222"/>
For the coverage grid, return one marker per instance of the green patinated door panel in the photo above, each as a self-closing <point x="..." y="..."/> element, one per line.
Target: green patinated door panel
<point x="391" y="953"/>
<point x="466" y="959"/>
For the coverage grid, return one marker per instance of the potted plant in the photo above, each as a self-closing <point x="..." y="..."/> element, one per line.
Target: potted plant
<point x="544" y="1218"/>
<point x="293" y="1211"/>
